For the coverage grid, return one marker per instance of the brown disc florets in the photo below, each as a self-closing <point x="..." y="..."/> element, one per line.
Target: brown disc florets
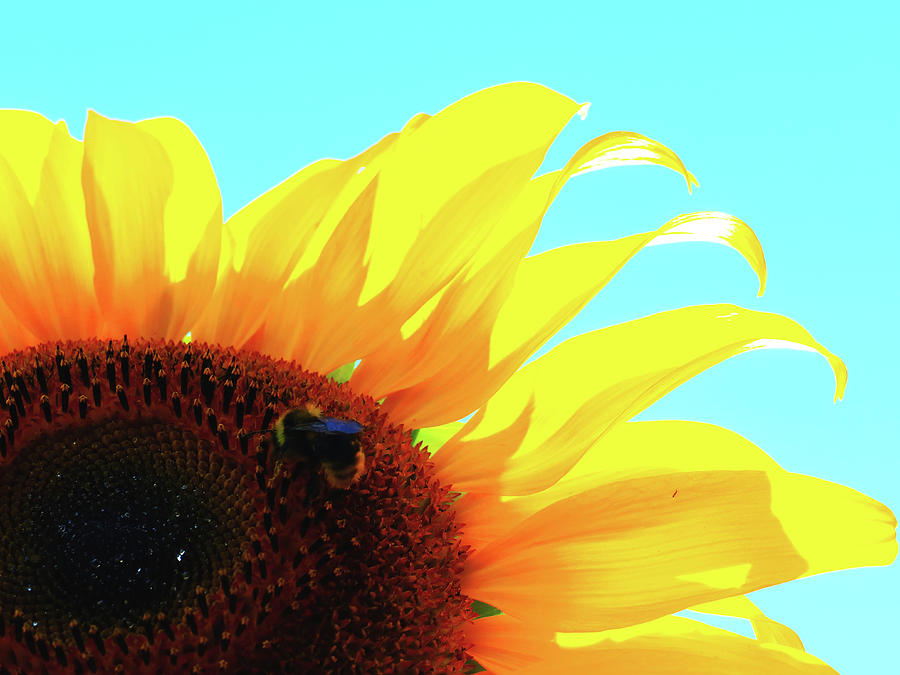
<point x="143" y="528"/>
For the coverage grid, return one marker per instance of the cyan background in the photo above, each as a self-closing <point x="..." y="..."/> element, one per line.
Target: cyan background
<point x="786" y="113"/>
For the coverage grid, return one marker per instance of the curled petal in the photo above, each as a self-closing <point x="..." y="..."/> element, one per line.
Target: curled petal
<point x="552" y="287"/>
<point x="475" y="315"/>
<point x="618" y="148"/>
<point x="622" y="370"/>
<point x="718" y="228"/>
<point x="438" y="373"/>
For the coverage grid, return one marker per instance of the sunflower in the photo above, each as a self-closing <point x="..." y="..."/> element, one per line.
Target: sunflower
<point x="151" y="523"/>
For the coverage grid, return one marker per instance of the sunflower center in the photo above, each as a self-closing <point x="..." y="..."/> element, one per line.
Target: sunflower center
<point x="152" y="521"/>
<point x="108" y="522"/>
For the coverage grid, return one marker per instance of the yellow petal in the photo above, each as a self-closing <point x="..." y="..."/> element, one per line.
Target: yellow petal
<point x="650" y="449"/>
<point x="47" y="267"/>
<point x="832" y="526"/>
<point x="765" y="628"/>
<point x="665" y="646"/>
<point x="674" y="646"/>
<point x="451" y="331"/>
<point x="192" y="222"/>
<point x="455" y="332"/>
<point x="621" y="370"/>
<point x="126" y="179"/>
<point x="143" y="185"/>
<point x="718" y="228"/>
<point x="314" y="319"/>
<point x="507" y="126"/>
<point x="18" y="216"/>
<point x="442" y="365"/>
<point x="473" y="216"/>
<point x="647" y="448"/>
<point x="439" y="374"/>
<point x="628" y="450"/>
<point x="618" y="148"/>
<point x="24" y="142"/>
<point x="535" y="309"/>
<point x="13" y="335"/>
<point x="284" y="240"/>
<point x="634" y="550"/>
<point x="20" y="264"/>
<point x="484" y="518"/>
<point x="268" y="236"/>
<point x="194" y="199"/>
<point x="503" y="644"/>
<point x="63" y="235"/>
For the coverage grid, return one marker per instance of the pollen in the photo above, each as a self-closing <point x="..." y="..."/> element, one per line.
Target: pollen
<point x="146" y="526"/>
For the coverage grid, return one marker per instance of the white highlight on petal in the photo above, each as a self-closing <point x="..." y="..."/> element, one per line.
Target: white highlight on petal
<point x="688" y="231"/>
<point x="840" y="372"/>
<point x="773" y="343"/>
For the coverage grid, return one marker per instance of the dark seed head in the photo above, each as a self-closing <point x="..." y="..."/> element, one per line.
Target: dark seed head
<point x="137" y="538"/>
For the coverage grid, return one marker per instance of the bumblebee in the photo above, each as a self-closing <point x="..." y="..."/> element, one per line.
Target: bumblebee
<point x="305" y="435"/>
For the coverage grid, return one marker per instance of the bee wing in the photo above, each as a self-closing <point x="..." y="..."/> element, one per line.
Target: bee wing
<point x="312" y="425"/>
<point x="329" y="425"/>
<point x="336" y="426"/>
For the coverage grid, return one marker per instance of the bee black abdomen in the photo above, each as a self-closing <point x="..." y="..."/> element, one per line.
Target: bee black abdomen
<point x="336" y="449"/>
<point x="341" y="476"/>
<point x="341" y="457"/>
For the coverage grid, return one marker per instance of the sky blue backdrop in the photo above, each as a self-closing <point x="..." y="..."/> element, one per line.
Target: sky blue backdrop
<point x="788" y="117"/>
